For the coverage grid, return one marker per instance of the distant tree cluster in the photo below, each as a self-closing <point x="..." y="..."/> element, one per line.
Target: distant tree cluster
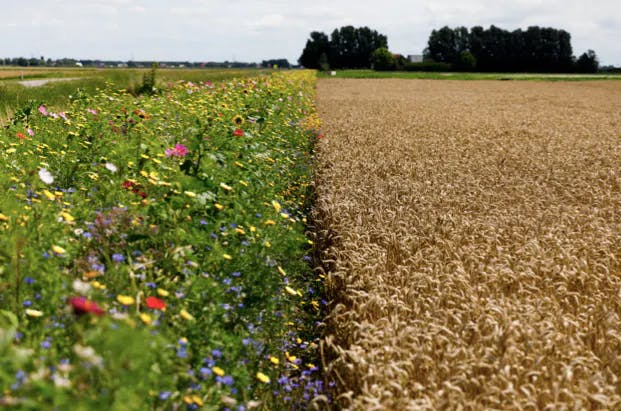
<point x="537" y="49"/>
<point x="347" y="47"/>
<point x="280" y="63"/>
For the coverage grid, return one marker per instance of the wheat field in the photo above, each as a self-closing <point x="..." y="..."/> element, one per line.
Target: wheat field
<point x="472" y="236"/>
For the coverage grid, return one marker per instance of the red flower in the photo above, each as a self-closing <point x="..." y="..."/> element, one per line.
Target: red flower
<point x="155" y="303"/>
<point x="83" y="306"/>
<point x="128" y="184"/>
<point x="21" y="136"/>
<point x="238" y="132"/>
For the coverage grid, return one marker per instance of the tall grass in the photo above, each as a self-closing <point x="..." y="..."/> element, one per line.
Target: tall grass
<point x="13" y="95"/>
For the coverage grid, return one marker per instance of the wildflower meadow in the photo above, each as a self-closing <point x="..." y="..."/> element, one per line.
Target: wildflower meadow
<point x="153" y="251"/>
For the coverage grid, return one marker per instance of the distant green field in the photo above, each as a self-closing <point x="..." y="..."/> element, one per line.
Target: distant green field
<point x="467" y="76"/>
<point x="13" y="95"/>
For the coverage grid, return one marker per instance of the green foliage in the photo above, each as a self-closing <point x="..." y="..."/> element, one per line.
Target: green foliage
<point x="323" y="62"/>
<point x="179" y="220"/>
<point x="587" y="62"/>
<point x="348" y="47"/>
<point x="149" y="81"/>
<point x="382" y="60"/>
<point x="467" y="61"/>
<point x="537" y="49"/>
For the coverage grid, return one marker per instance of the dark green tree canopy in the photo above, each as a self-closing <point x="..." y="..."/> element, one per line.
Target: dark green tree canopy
<point x="347" y="47"/>
<point x="539" y="49"/>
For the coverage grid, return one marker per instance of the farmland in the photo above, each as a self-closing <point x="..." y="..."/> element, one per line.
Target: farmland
<point x="153" y="251"/>
<point x="471" y="236"/>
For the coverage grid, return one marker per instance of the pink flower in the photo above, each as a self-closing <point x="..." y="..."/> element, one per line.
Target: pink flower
<point x="93" y="112"/>
<point x="63" y="115"/>
<point x="30" y="132"/>
<point x="178" y="151"/>
<point x="42" y="110"/>
<point x="238" y="132"/>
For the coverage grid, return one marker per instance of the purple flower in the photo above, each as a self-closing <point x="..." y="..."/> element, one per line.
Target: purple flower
<point x="164" y="395"/>
<point x="118" y="258"/>
<point x="42" y="110"/>
<point x="29" y="280"/>
<point x="178" y="151"/>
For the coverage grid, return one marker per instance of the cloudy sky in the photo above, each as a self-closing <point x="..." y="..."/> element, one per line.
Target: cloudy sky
<point x="253" y="30"/>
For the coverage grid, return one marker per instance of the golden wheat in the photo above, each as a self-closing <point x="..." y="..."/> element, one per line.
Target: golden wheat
<point x="473" y="243"/>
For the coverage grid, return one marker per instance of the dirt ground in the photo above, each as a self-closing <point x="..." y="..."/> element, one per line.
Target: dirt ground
<point x="474" y="234"/>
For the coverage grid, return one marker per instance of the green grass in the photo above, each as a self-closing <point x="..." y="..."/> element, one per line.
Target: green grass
<point x="14" y="96"/>
<point x="467" y="76"/>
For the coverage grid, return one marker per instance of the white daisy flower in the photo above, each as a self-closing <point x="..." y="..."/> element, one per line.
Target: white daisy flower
<point x="46" y="176"/>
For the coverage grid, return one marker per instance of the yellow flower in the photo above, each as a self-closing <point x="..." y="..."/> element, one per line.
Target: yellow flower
<point x="33" y="313"/>
<point x="50" y="196"/>
<point x="67" y="217"/>
<point x="218" y="206"/>
<point x="242" y="182"/>
<point x="58" y="250"/>
<point x="290" y="290"/>
<point x="263" y="378"/>
<point x="281" y="271"/>
<point x="190" y="194"/>
<point x="186" y="315"/>
<point x="218" y="371"/>
<point x="267" y="244"/>
<point x="146" y="318"/>
<point x="226" y="187"/>
<point x="227" y="257"/>
<point x="274" y="360"/>
<point x="162" y="293"/>
<point x="276" y="206"/>
<point x="3" y="217"/>
<point x="197" y="400"/>
<point x="238" y="120"/>
<point x="270" y="222"/>
<point x="125" y="299"/>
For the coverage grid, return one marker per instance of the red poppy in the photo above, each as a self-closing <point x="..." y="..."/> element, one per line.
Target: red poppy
<point x="83" y="306"/>
<point x="238" y="132"/>
<point x="21" y="136"/>
<point x="155" y="303"/>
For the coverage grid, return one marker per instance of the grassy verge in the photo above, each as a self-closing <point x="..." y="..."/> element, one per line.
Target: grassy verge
<point x="153" y="251"/>
<point x="466" y="76"/>
<point x="13" y="96"/>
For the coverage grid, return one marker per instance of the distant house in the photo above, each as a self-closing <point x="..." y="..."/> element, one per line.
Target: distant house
<point x="415" y="58"/>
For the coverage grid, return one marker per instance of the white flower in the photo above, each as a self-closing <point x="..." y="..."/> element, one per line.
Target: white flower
<point x="111" y="167"/>
<point x="46" y="176"/>
<point x="81" y="287"/>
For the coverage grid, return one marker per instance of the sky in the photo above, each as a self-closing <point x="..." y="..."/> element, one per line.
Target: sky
<point x="255" y="30"/>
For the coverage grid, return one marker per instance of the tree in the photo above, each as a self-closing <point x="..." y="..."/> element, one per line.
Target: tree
<point x="347" y="47"/>
<point x="467" y="61"/>
<point x="382" y="60"/>
<point x="587" y="62"/>
<point x="315" y="46"/>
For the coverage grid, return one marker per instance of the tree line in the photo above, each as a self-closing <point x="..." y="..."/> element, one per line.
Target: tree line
<point x="536" y="49"/>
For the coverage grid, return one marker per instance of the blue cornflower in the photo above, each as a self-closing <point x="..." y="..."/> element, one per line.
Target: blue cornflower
<point x="118" y="258"/>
